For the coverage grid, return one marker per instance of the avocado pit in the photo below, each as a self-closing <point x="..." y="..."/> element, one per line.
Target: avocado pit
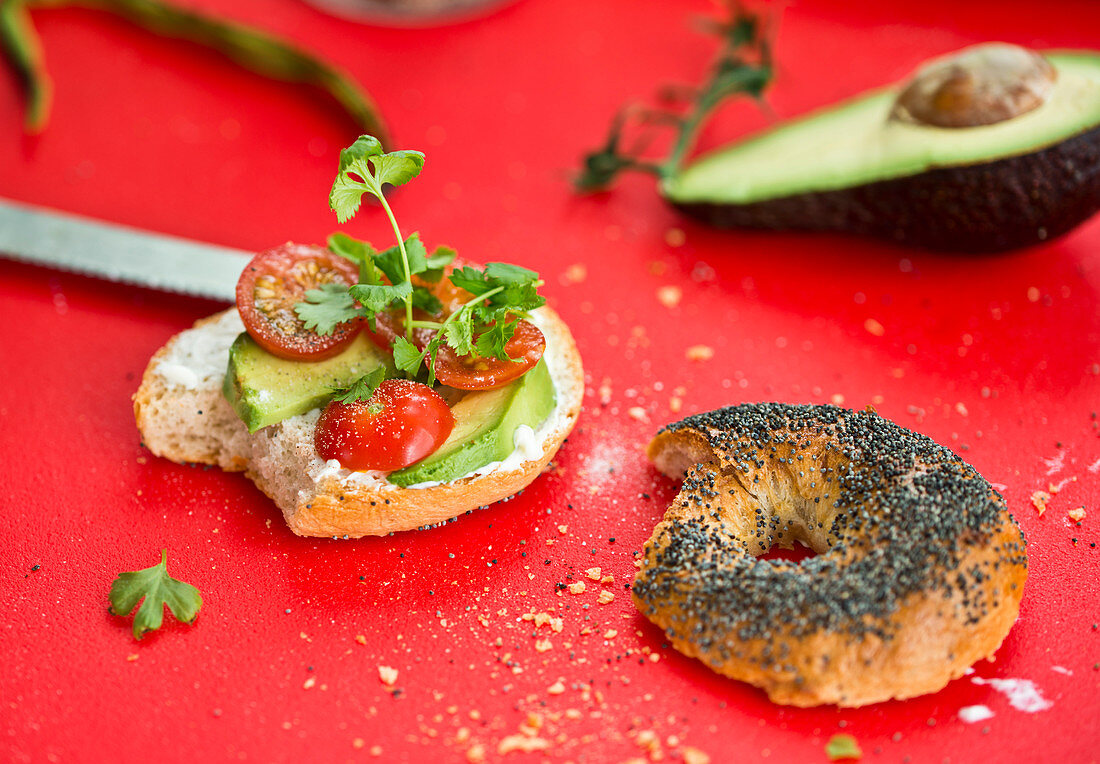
<point x="981" y="85"/>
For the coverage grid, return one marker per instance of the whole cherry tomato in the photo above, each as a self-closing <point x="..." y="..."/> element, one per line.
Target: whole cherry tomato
<point x="402" y="423"/>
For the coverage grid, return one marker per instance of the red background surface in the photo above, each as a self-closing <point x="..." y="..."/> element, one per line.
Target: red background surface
<point x="994" y="356"/>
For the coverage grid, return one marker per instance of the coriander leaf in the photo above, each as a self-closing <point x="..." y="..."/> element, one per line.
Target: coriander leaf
<point x="417" y="254"/>
<point x="406" y="356"/>
<point x="158" y="589"/>
<point x="471" y="279"/>
<point x="377" y="297"/>
<point x="353" y="249"/>
<point x="459" y="333"/>
<point x="389" y="262"/>
<point x="505" y="273"/>
<point x="365" y="146"/>
<point x="491" y="342"/>
<point x="440" y="258"/>
<point x="397" y="167"/>
<point x="426" y="301"/>
<point x="361" y="389"/>
<point x="326" y="307"/>
<point x="355" y="178"/>
<point x="345" y="196"/>
<point x="843" y="747"/>
<point x="360" y="252"/>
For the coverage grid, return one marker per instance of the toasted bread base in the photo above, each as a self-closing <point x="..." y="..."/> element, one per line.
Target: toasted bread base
<point x="199" y="425"/>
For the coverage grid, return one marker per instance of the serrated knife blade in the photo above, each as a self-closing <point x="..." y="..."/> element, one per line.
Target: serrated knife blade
<point x="119" y="253"/>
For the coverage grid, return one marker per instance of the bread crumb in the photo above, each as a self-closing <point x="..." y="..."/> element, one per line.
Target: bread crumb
<point x="699" y="353"/>
<point x="387" y="675"/>
<point x="608" y="579"/>
<point x="1077" y="515"/>
<point x="1039" y="500"/>
<point x="309" y="683"/>
<point x="670" y="295"/>
<point x="563" y="529"/>
<point x="132" y="657"/>
<point x="577" y="588"/>
<point x="638" y="413"/>
<point x="606" y="598"/>
<point x="521" y="743"/>
<point x="543" y="645"/>
<point x="610" y="634"/>
<point x="360" y="639"/>
<point x="694" y="756"/>
<point x="594" y="573"/>
<point x="874" y="327"/>
<point x="475" y="754"/>
<point x="654" y="657"/>
<point x="557" y="688"/>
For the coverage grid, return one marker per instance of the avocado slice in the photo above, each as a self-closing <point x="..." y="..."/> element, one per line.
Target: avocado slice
<point x="485" y="427"/>
<point x="858" y="168"/>
<point x="265" y="389"/>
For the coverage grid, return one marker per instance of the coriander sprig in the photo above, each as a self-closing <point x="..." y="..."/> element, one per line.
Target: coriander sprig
<point x="743" y="67"/>
<point x="399" y="278"/>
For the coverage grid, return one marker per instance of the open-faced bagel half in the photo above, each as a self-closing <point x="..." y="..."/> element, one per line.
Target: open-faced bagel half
<point x="919" y="568"/>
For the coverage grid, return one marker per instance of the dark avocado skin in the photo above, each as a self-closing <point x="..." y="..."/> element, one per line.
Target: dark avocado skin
<point x="989" y="207"/>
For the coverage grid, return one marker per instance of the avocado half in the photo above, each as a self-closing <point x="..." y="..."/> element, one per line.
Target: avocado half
<point x="853" y="168"/>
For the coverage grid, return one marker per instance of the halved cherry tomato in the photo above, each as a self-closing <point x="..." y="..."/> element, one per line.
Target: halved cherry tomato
<point x="271" y="284"/>
<point x="464" y="372"/>
<point x="402" y="423"/>
<point x="469" y="372"/>
<point x="476" y="373"/>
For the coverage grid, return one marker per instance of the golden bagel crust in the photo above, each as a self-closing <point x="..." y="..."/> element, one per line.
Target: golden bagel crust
<point x="200" y="426"/>
<point x="919" y="571"/>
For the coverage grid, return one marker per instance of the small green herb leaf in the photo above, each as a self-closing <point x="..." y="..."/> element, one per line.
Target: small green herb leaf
<point x="365" y="146"/>
<point x="426" y="301"/>
<point x="492" y="342"/>
<point x="440" y="258"/>
<point x="158" y="589"/>
<point x="406" y="356"/>
<point x="377" y="297"/>
<point x="361" y="389"/>
<point x="459" y="333"/>
<point x="397" y="167"/>
<point x="327" y="307"/>
<point x="843" y="747"/>
<point x="359" y="252"/>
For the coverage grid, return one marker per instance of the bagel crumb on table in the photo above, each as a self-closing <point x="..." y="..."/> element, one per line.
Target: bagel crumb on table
<point x="919" y="571"/>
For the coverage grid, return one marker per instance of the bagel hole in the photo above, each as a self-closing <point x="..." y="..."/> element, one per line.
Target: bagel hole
<point x="796" y="555"/>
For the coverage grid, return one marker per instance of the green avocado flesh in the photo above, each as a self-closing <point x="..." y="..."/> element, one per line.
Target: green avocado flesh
<point x="856" y="143"/>
<point x="265" y="389"/>
<point x="485" y="427"/>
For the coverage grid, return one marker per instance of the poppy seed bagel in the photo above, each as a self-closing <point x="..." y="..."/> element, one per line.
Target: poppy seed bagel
<point x="919" y="571"/>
